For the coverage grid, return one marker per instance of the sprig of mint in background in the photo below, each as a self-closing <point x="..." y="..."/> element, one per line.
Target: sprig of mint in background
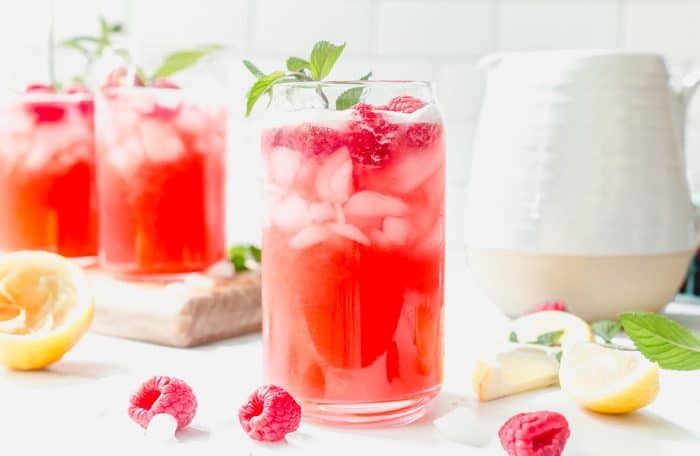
<point x="177" y="61"/>
<point x="321" y="61"/>
<point x="244" y="256"/>
<point x="548" y="339"/>
<point x="93" y="47"/>
<point x="658" y="338"/>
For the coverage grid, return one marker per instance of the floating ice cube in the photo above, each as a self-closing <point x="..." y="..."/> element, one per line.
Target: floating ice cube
<point x="350" y="232"/>
<point x="334" y="178"/>
<point x="126" y="157"/>
<point x="434" y="238"/>
<point x="161" y="141"/>
<point x="192" y="120"/>
<point x="322" y="212"/>
<point x="379" y="238"/>
<point x="367" y="203"/>
<point x="291" y="213"/>
<point x="463" y="425"/>
<point x="284" y="165"/>
<point x="309" y="236"/>
<point x="397" y="230"/>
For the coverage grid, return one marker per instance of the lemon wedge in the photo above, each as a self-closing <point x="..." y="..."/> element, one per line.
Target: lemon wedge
<point x="45" y="308"/>
<point x="529" y="327"/>
<point x="515" y="368"/>
<point x="608" y="380"/>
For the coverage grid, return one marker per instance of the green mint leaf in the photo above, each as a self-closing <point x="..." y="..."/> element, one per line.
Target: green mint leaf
<point x="178" y="61"/>
<point x="255" y="71"/>
<point x="548" y="339"/>
<point x="323" y="58"/>
<point x="297" y="64"/>
<point x="606" y="329"/>
<point x="242" y="255"/>
<point x="513" y="337"/>
<point x="351" y="97"/>
<point x="663" y="340"/>
<point x="558" y="357"/>
<point x="260" y="87"/>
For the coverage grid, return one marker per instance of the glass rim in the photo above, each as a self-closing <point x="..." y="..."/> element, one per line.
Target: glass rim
<point x="388" y="83"/>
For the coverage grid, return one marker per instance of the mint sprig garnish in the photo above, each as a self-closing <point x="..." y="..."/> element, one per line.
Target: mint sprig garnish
<point x="663" y="340"/>
<point x="548" y="339"/>
<point x="606" y="329"/>
<point x="244" y="256"/>
<point x="322" y="59"/>
<point x="93" y="47"/>
<point x="181" y="60"/>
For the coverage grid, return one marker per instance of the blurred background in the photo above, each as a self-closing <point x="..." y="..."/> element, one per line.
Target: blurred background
<point x="438" y="40"/>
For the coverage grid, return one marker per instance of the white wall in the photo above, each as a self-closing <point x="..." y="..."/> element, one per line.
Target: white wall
<point x="440" y="40"/>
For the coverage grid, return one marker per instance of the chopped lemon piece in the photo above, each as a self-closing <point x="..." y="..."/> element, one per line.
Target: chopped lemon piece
<point x="45" y="308"/>
<point x="608" y="380"/>
<point x="515" y="368"/>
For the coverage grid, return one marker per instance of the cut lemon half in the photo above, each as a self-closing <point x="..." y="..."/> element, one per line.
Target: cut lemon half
<point x="608" y="380"/>
<point x="45" y="308"/>
<point x="529" y="327"/>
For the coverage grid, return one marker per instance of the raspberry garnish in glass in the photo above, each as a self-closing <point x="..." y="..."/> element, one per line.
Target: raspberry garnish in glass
<point x="47" y="188"/>
<point x="160" y="166"/>
<point x="353" y="244"/>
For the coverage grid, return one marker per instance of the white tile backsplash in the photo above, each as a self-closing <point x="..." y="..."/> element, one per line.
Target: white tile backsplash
<point x="433" y="29"/>
<point x="439" y="40"/>
<point x="558" y="24"/>
<point x="670" y="27"/>
<point x="284" y="26"/>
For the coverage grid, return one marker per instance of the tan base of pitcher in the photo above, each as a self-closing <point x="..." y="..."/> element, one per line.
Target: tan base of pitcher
<point x="593" y="287"/>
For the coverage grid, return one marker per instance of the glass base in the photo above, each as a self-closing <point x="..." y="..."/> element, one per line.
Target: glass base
<point x="391" y="413"/>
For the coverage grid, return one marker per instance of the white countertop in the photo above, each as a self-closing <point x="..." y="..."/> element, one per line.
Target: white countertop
<point x="80" y="403"/>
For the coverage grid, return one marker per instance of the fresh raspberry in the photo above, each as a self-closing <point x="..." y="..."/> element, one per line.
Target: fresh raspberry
<point x="549" y="305"/>
<point x="535" y="434"/>
<point x="44" y="111"/>
<point x="312" y="139"/>
<point x="40" y="88"/>
<point x="117" y="78"/>
<point x="86" y="107"/>
<point x="405" y="103"/>
<point x="164" y="84"/>
<point x="270" y="414"/>
<point x="422" y="134"/>
<point x="371" y="137"/>
<point x="163" y="395"/>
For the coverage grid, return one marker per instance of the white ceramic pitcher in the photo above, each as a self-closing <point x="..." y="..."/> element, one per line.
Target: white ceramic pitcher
<point x="578" y="189"/>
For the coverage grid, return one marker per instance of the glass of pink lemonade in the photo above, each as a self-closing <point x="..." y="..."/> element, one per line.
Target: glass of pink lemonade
<point x="160" y="167"/>
<point x="353" y="249"/>
<point x="47" y="197"/>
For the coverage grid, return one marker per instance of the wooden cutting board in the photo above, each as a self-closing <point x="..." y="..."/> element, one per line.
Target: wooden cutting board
<point x="196" y="310"/>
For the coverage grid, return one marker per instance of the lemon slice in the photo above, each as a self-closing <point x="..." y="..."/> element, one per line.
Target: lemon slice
<point x="528" y="327"/>
<point x="45" y="308"/>
<point x="515" y="368"/>
<point x="608" y="380"/>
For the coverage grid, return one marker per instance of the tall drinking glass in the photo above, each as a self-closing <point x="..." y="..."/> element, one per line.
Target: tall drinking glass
<point x="160" y="166"/>
<point x="47" y="197"/>
<point x="353" y="248"/>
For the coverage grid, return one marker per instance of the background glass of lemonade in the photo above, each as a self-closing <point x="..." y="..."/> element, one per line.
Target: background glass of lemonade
<point x="47" y="194"/>
<point x="353" y="249"/>
<point x="160" y="167"/>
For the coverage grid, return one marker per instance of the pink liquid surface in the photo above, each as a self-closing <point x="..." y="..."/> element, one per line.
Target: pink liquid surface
<point x="353" y="256"/>
<point x="161" y="182"/>
<point x="47" y="195"/>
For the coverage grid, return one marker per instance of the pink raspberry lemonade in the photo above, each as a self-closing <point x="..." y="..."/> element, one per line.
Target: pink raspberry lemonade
<point x="160" y="167"/>
<point x="353" y="249"/>
<point x="47" y="197"/>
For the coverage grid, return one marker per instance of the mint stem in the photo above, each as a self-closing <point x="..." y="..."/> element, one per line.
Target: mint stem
<point x="51" y="54"/>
